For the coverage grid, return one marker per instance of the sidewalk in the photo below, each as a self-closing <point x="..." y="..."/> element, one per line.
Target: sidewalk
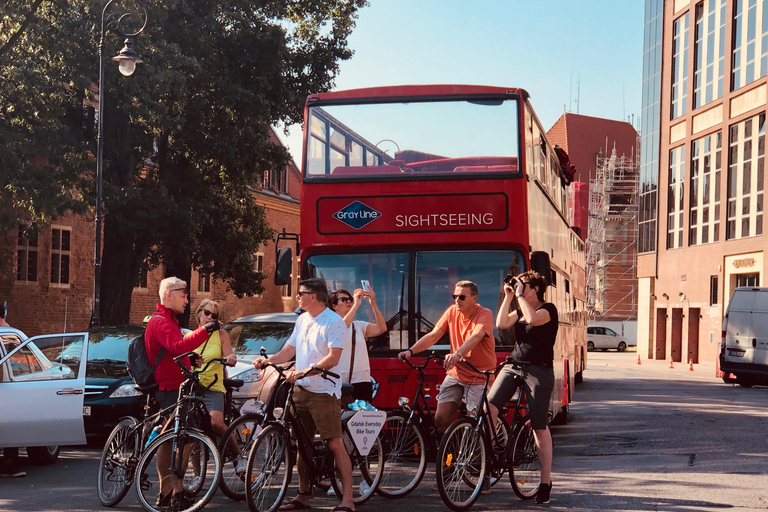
<point x="657" y="368"/>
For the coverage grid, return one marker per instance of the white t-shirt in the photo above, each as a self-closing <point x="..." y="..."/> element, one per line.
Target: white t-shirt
<point x="362" y="370"/>
<point x="313" y="338"/>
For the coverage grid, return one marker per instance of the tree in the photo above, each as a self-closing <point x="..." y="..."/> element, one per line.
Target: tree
<point x="185" y="136"/>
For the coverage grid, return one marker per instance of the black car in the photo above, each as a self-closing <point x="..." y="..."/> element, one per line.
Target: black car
<point x="109" y="390"/>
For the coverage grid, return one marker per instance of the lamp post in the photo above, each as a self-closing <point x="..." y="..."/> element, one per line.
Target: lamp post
<point x="127" y="59"/>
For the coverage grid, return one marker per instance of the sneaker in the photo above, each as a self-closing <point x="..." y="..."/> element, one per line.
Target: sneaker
<point x="12" y="473"/>
<point x="162" y="501"/>
<point x="486" y="487"/>
<point x="364" y="488"/>
<point x="331" y="492"/>
<point x="242" y="465"/>
<point x="193" y="484"/>
<point x="542" y="496"/>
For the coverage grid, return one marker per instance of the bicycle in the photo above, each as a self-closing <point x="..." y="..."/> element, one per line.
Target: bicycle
<point x="467" y="453"/>
<point x="408" y="440"/>
<point x="130" y="455"/>
<point x="273" y="454"/>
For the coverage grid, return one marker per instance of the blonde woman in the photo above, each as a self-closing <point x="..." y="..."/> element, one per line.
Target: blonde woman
<point x="217" y="346"/>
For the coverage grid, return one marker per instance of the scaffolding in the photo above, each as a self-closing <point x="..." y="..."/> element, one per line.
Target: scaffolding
<point x="612" y="239"/>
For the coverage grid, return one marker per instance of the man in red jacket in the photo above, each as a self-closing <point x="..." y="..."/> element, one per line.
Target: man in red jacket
<point x="163" y="334"/>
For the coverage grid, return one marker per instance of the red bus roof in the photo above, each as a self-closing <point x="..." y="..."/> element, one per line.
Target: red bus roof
<point x="416" y="90"/>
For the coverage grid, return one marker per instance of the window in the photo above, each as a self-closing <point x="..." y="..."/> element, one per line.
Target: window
<point x="746" y="168"/>
<point x="709" y="53"/>
<point x="203" y="283"/>
<point x="26" y="257"/>
<point x="258" y="265"/>
<point x="141" y="279"/>
<point x="750" y="41"/>
<point x="704" y="218"/>
<point x="680" y="67"/>
<point x="60" y="252"/>
<point x="675" y="195"/>
<point x="713" y="289"/>
<point x="275" y="179"/>
<point x="751" y="279"/>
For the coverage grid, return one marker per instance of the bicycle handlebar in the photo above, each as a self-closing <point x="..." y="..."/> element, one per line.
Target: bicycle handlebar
<point x="430" y="357"/>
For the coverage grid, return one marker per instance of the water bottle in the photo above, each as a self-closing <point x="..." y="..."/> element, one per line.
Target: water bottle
<point x="152" y="435"/>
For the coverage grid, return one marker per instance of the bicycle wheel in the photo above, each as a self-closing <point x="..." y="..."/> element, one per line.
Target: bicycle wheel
<point x="366" y="474"/>
<point x="117" y="462"/>
<point x="170" y="455"/>
<point x="461" y="464"/>
<point x="525" y="468"/>
<point x="244" y="431"/>
<point x="405" y="456"/>
<point x="500" y="440"/>
<point x="269" y="469"/>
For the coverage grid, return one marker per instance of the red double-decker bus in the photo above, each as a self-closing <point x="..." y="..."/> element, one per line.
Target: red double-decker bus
<point x="414" y="188"/>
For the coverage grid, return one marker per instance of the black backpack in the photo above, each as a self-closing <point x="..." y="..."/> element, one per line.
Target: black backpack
<point x="142" y="373"/>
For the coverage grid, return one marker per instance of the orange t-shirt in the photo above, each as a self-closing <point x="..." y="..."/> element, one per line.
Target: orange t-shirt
<point x="483" y="356"/>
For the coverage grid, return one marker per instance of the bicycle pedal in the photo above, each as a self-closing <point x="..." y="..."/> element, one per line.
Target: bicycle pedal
<point x="145" y="483"/>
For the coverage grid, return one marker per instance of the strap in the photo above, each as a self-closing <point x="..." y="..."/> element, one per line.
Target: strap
<point x="352" y="359"/>
<point x="160" y="354"/>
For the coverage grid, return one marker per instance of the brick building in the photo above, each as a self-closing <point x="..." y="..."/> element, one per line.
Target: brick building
<point x="604" y="206"/>
<point x="47" y="281"/>
<point x="705" y="85"/>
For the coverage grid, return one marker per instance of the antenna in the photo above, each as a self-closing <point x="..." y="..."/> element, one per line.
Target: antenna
<point x="623" y="103"/>
<point x="578" y="88"/>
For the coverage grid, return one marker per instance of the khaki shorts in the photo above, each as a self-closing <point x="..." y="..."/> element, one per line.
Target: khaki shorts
<point x="452" y="390"/>
<point x="319" y="412"/>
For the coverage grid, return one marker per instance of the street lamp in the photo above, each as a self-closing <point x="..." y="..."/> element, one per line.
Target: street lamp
<point x="127" y="59"/>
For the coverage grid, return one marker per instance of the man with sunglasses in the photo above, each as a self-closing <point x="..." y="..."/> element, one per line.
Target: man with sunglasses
<point x="317" y="341"/>
<point x="163" y="339"/>
<point x="470" y="328"/>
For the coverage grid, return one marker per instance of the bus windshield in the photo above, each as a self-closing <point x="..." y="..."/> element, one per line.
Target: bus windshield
<point x="414" y="288"/>
<point x="406" y="139"/>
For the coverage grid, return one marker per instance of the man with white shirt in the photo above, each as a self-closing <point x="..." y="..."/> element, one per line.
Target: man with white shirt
<point x="316" y="342"/>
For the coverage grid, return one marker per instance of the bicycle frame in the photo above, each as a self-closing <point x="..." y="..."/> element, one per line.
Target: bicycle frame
<point x="420" y="411"/>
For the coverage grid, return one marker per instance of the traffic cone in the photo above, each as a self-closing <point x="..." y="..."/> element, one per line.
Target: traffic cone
<point x="690" y="365"/>
<point x="638" y="359"/>
<point x="670" y="363"/>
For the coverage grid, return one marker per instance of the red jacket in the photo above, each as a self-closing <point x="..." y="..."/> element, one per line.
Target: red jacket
<point x="164" y="331"/>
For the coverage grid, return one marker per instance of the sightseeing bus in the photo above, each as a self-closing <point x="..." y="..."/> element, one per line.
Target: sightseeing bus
<point x="413" y="188"/>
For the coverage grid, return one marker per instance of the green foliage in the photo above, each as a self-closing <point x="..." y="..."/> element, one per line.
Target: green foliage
<point x="184" y="137"/>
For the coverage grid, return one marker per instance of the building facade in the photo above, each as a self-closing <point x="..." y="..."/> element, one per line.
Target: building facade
<point x="705" y="86"/>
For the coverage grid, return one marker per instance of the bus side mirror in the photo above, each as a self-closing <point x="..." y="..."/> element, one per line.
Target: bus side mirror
<point x="540" y="263"/>
<point x="284" y="266"/>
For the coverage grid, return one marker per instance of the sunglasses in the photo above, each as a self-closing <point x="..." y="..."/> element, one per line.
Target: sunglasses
<point x="347" y="299"/>
<point x="215" y="316"/>
<point x="179" y="289"/>
<point x="460" y="297"/>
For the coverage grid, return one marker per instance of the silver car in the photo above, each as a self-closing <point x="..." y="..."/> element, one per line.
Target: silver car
<point x="605" y="338"/>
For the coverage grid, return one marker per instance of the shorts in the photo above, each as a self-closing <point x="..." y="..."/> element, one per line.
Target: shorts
<point x="193" y="417"/>
<point x="214" y="400"/>
<point x="539" y="383"/>
<point x="319" y="412"/>
<point x="452" y="390"/>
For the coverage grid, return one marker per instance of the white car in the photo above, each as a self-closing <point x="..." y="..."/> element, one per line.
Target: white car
<point x="42" y="385"/>
<point x="605" y="338"/>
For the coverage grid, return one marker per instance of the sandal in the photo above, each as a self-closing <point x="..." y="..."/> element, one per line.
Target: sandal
<point x="342" y="509"/>
<point x="295" y="504"/>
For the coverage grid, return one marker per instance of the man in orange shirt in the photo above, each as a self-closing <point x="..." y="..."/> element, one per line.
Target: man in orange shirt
<point x="470" y="327"/>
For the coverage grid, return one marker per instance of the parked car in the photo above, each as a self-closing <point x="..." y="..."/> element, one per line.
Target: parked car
<point x="42" y="384"/>
<point x="248" y="335"/>
<point x="605" y="338"/>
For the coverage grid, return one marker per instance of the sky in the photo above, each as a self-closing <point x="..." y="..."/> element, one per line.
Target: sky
<point x="580" y="56"/>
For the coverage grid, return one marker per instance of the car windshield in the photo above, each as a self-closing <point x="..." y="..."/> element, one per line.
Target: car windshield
<point x="108" y="351"/>
<point x="248" y="337"/>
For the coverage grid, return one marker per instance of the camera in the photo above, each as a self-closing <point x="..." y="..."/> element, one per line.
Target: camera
<point x="510" y="280"/>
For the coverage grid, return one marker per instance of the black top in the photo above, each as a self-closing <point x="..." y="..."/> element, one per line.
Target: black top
<point x="536" y="344"/>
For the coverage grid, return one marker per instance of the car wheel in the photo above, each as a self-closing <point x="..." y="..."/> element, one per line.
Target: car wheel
<point x="590" y="346"/>
<point x="622" y="346"/>
<point x="43" y="454"/>
<point x="745" y="381"/>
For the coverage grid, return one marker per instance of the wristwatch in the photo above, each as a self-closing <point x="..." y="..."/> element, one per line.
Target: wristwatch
<point x="313" y="366"/>
<point x="519" y="296"/>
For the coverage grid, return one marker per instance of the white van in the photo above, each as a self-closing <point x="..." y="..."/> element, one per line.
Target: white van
<point x="744" y="348"/>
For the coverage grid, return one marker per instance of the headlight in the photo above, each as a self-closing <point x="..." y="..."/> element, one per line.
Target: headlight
<point x="249" y="375"/>
<point x="125" y="391"/>
<point x="472" y="409"/>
